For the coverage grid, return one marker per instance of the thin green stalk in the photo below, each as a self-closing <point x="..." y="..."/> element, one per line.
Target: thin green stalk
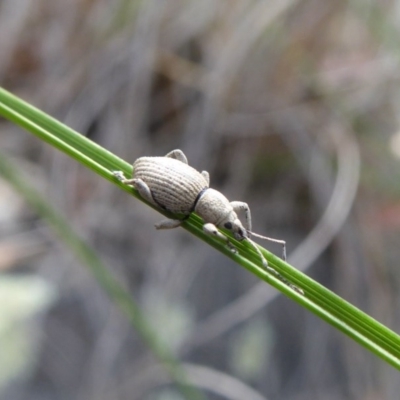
<point x="362" y="328"/>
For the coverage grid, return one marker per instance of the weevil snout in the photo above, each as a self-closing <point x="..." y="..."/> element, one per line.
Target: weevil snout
<point x="240" y="233"/>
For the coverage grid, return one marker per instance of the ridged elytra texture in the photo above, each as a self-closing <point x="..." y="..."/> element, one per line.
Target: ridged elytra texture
<point x="173" y="184"/>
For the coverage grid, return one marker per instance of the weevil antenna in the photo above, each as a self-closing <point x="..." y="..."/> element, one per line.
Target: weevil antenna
<point x="272" y="270"/>
<point x="263" y="260"/>
<point x="282" y="242"/>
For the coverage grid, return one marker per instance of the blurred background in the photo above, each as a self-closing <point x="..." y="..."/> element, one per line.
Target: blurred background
<point x="292" y="106"/>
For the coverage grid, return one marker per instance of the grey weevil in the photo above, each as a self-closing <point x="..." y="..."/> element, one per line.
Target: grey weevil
<point x="170" y="183"/>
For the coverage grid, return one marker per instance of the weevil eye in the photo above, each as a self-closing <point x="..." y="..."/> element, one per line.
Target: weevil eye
<point x="228" y="225"/>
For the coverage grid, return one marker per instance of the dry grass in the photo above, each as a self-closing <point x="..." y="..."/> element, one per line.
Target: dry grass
<point x="277" y="100"/>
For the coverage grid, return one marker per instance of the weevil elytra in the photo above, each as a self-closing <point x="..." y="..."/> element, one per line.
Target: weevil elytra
<point x="172" y="184"/>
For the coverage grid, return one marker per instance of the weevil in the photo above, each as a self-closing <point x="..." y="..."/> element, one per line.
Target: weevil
<point x="170" y="183"/>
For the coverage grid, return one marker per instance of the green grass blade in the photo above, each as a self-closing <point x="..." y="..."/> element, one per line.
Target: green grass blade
<point x="322" y="302"/>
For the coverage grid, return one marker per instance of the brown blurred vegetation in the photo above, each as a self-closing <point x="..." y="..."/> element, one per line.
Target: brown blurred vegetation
<point x="278" y="100"/>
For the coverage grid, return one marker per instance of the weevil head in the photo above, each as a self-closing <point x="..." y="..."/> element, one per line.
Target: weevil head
<point x="233" y="224"/>
<point x="215" y="208"/>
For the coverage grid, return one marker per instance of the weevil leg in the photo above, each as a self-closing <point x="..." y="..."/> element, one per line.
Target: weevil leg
<point x="168" y="224"/>
<point x="142" y="188"/>
<point x="241" y="206"/>
<point x="212" y="230"/>
<point x="178" y="155"/>
<point x="145" y="192"/>
<point x="121" y="177"/>
<point x="139" y="185"/>
<point x="206" y="176"/>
